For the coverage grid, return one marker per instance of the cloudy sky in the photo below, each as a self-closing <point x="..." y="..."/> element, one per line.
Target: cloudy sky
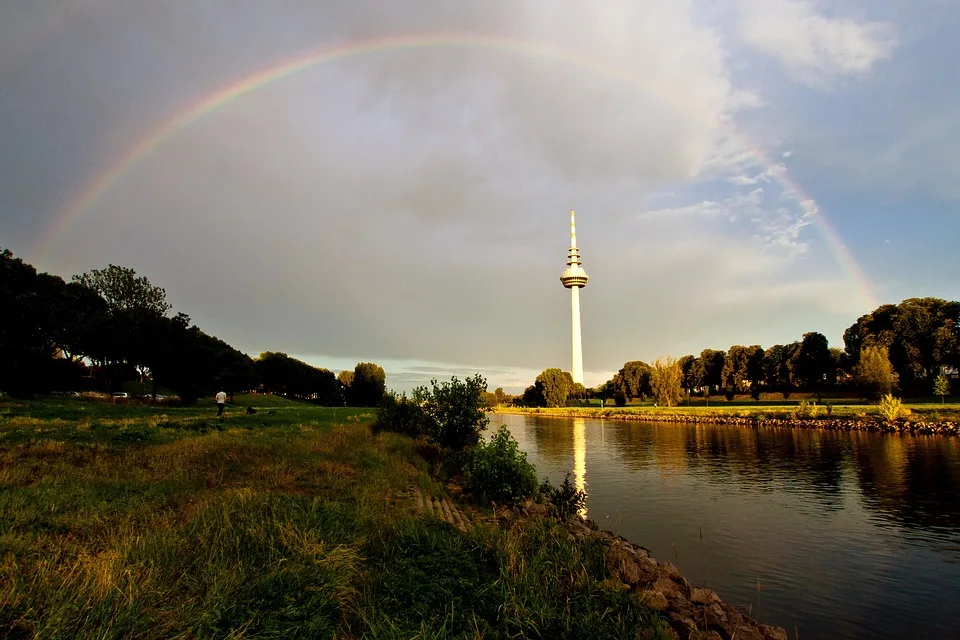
<point x="356" y="180"/>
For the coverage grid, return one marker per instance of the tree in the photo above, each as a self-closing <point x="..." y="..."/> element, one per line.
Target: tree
<point x="666" y="382"/>
<point x="454" y="411"/>
<point x="813" y="362"/>
<point x="553" y="386"/>
<point x="775" y="372"/>
<point x="124" y="291"/>
<point x="921" y="336"/>
<point x="686" y="367"/>
<point x="755" y="373"/>
<point x="532" y="397"/>
<point x="501" y="396"/>
<point x="874" y="374"/>
<point x="632" y="381"/>
<point x="712" y="368"/>
<point x="941" y="386"/>
<point x="368" y="386"/>
<point x="346" y="378"/>
<point x="735" y="372"/>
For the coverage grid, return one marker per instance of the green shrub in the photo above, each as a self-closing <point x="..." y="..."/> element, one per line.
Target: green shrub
<point x="453" y="411"/>
<point x="400" y="414"/>
<point x="890" y="407"/>
<point x="807" y="410"/>
<point x="497" y="471"/>
<point x="567" y="499"/>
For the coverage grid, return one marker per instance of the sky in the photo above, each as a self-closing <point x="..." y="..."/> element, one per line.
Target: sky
<point x="391" y="182"/>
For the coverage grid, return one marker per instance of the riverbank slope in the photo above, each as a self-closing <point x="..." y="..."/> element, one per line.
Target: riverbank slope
<point x="297" y="521"/>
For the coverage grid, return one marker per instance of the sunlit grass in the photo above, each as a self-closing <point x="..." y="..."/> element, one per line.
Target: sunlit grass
<point x="171" y="523"/>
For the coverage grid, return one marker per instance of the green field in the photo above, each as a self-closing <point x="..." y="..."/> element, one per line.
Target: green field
<point x="125" y="520"/>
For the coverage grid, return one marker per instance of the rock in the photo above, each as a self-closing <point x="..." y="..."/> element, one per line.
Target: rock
<point x="537" y="509"/>
<point x="666" y="569"/>
<point x="622" y="565"/>
<point x="771" y="632"/>
<point x="682" y="624"/>
<point x="705" y="635"/>
<point x="747" y="632"/>
<point x="578" y="529"/>
<point x="703" y="596"/>
<point x="653" y="599"/>
<point x="668" y="588"/>
<point x="714" y="617"/>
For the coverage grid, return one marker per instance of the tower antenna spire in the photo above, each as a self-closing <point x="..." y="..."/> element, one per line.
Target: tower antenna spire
<point x="575" y="278"/>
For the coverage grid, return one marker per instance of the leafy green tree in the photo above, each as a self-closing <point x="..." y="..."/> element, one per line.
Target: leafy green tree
<point x="666" y="382"/>
<point x="874" y="374"/>
<point x="501" y="396"/>
<point x="941" y="386"/>
<point x="736" y="372"/>
<point x="577" y="392"/>
<point x="532" y="397"/>
<point x="921" y="336"/>
<point x="712" y="368"/>
<point x="345" y="378"/>
<point x="368" y="386"/>
<point x="553" y="386"/>
<point x="632" y="381"/>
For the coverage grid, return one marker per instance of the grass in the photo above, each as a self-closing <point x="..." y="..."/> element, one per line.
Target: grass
<point x="131" y="521"/>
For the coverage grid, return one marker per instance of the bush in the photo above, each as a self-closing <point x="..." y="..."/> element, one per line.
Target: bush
<point x="807" y="410"/>
<point x="890" y="407"/>
<point x="497" y="471"/>
<point x="453" y="411"/>
<point x="567" y="499"/>
<point x="400" y="414"/>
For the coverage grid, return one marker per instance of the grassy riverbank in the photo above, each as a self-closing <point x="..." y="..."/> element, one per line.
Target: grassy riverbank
<point x="128" y="520"/>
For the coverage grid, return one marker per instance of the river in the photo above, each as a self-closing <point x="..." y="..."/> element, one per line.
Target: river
<point x="829" y="534"/>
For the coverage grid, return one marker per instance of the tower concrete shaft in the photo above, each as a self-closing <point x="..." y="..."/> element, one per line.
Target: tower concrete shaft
<point x="575" y="278"/>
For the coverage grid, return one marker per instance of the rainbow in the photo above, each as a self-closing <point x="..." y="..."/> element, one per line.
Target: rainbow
<point x="87" y="197"/>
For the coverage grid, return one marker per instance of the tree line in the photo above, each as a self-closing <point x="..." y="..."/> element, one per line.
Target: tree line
<point x="907" y="348"/>
<point x="109" y="326"/>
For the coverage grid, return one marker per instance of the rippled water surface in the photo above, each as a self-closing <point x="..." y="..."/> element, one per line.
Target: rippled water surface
<point x="829" y="534"/>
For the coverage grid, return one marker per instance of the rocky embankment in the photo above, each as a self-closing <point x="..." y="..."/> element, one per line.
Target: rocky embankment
<point x="693" y="613"/>
<point x="757" y="420"/>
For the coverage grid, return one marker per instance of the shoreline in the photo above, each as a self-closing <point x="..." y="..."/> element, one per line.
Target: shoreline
<point x="690" y="612"/>
<point x="757" y="419"/>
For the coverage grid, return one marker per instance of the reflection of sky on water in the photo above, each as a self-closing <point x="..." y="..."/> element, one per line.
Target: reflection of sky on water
<point x="847" y="534"/>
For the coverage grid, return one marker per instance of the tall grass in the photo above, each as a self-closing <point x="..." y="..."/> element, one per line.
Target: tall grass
<point x="294" y="526"/>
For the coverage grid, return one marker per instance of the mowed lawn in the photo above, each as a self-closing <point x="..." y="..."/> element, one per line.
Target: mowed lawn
<point x="125" y="520"/>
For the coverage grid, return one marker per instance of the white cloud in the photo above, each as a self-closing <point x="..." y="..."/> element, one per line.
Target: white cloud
<point x="816" y="49"/>
<point x="412" y="203"/>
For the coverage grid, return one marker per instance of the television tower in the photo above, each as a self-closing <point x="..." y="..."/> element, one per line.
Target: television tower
<point x="574" y="278"/>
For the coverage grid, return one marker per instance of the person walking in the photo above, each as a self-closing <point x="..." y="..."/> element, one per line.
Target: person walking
<point x="221" y="400"/>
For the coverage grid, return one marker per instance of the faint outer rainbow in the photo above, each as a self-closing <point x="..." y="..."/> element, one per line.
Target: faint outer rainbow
<point x="84" y="200"/>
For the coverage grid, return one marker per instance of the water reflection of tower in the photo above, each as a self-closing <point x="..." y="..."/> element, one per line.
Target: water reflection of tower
<point x="580" y="458"/>
<point x="575" y="278"/>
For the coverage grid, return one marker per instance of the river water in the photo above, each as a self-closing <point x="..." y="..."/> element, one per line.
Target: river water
<point x="827" y="533"/>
